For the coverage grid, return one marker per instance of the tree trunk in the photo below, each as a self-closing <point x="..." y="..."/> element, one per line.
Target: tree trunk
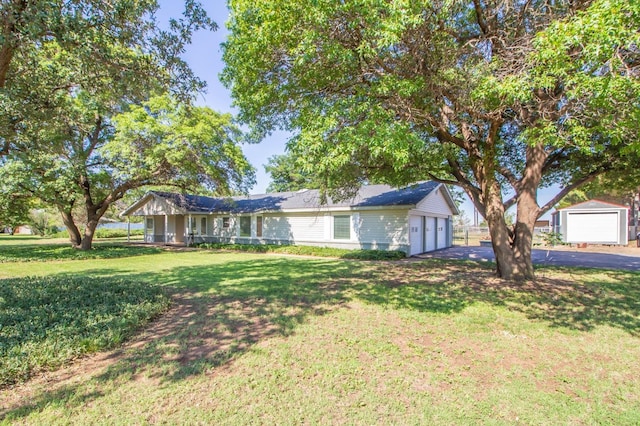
<point x="74" y="232"/>
<point x="513" y="255"/>
<point x="89" y="232"/>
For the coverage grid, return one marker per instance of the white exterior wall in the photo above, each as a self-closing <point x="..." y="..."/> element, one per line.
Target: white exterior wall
<point x="157" y="206"/>
<point x="293" y="227"/>
<point x="369" y="229"/>
<point x="435" y="205"/>
<point x="384" y="229"/>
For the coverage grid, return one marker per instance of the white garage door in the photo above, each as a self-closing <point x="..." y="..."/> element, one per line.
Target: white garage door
<point x="442" y="232"/>
<point x="430" y="233"/>
<point x="592" y="227"/>
<point x="415" y="234"/>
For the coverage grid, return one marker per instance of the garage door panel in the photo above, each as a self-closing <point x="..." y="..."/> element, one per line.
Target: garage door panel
<point x="430" y="234"/>
<point x="415" y="235"/>
<point x="592" y="227"/>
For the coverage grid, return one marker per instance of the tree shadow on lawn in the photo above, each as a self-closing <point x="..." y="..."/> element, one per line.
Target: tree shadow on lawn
<point x="572" y="298"/>
<point x="222" y="310"/>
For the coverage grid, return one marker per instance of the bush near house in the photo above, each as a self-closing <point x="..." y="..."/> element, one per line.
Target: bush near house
<point x="102" y="233"/>
<point x="308" y="251"/>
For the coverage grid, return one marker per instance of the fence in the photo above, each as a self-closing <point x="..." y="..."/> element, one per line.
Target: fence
<point x="472" y="235"/>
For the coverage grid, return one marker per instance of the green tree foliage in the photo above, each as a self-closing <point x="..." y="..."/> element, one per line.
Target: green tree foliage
<point x="49" y="48"/>
<point x="80" y="125"/>
<point x="287" y="175"/>
<point x="101" y="157"/>
<point x="14" y="205"/>
<point x="500" y="98"/>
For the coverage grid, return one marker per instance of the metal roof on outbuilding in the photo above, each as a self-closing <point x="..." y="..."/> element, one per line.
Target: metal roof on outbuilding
<point x="594" y="205"/>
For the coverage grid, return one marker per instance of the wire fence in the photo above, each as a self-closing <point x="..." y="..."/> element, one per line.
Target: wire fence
<point x="479" y="235"/>
<point x="476" y="235"/>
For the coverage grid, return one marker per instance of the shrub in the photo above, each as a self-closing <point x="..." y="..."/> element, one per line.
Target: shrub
<point x="101" y="233"/>
<point x="48" y="321"/>
<point x="552" y="238"/>
<point x="309" y="251"/>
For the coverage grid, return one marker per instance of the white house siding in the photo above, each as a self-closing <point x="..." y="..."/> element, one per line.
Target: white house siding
<point x="293" y="227"/>
<point x="435" y="205"/>
<point x="157" y="206"/>
<point x="384" y="229"/>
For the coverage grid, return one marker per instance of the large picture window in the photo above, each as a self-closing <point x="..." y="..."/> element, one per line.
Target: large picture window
<point x="342" y="227"/>
<point x="245" y="226"/>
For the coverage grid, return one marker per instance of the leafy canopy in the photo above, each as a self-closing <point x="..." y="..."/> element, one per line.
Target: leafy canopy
<point x="500" y="98"/>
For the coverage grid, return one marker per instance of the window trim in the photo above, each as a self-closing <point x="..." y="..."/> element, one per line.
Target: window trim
<point x="342" y="216"/>
<point x="244" y="219"/>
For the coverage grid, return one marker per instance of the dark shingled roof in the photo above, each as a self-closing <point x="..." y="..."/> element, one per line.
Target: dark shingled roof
<point x="367" y="196"/>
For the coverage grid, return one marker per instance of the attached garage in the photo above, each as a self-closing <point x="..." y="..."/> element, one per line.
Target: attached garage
<point x="594" y="222"/>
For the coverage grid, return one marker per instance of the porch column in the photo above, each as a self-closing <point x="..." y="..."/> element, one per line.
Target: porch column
<point x="166" y="226"/>
<point x="128" y="229"/>
<point x="144" y="220"/>
<point x="189" y="231"/>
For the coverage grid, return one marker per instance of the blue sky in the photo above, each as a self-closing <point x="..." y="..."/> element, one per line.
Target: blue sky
<point x="204" y="56"/>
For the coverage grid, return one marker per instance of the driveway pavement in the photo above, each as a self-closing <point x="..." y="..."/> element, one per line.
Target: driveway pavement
<point x="546" y="257"/>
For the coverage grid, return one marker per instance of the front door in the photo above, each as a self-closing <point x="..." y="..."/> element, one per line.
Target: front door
<point x="149" y="230"/>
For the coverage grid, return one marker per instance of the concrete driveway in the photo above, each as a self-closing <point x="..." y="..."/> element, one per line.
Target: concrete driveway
<point x="546" y="257"/>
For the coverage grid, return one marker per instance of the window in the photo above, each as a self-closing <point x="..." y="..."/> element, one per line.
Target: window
<point x="203" y="226"/>
<point x="259" y="226"/>
<point x="342" y="227"/>
<point x="226" y="222"/>
<point x="245" y="226"/>
<point x="192" y="226"/>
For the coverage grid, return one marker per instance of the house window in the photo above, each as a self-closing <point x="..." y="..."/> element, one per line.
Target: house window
<point x="342" y="227"/>
<point x="203" y="226"/>
<point x="245" y="226"/>
<point x="259" y="226"/>
<point x="226" y="221"/>
<point x="192" y="225"/>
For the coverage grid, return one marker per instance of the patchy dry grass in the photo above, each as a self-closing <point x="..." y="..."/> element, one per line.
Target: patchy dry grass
<point x="267" y="339"/>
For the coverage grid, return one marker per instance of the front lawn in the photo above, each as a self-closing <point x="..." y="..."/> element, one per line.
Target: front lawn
<point x="48" y="321"/>
<point x="279" y="340"/>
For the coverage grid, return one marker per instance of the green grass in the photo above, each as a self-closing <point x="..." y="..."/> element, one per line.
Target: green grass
<point x="309" y="251"/>
<point x="50" y="252"/>
<point x="46" y="322"/>
<point x="282" y="340"/>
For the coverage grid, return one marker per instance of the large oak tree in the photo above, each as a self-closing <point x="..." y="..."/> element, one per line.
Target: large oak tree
<point x="499" y="97"/>
<point x="80" y="120"/>
<point x="101" y="157"/>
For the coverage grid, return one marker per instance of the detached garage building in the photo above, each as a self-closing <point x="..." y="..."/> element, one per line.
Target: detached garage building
<point x="594" y="222"/>
<point x="414" y="219"/>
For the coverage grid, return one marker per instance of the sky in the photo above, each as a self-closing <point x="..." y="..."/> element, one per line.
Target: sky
<point x="204" y="56"/>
